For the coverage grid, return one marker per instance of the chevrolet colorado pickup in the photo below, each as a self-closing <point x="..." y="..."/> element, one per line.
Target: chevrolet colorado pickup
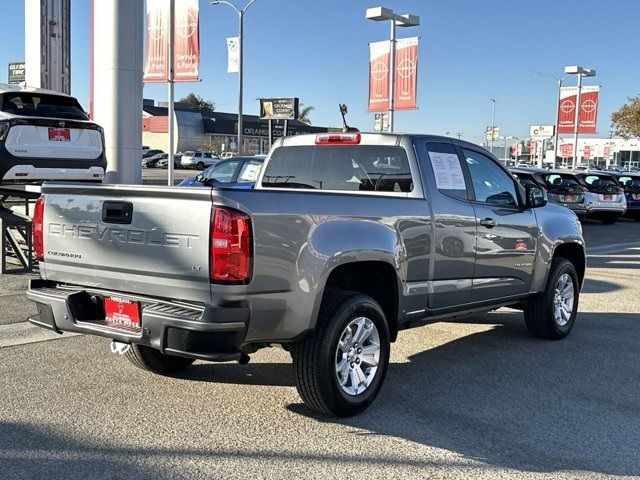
<point x="346" y="240"/>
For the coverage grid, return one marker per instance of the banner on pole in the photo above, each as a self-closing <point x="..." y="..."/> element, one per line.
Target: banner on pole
<point x="406" y="80"/>
<point x="155" y="67"/>
<point x="588" y="112"/>
<point x="186" y="41"/>
<point x="233" y="55"/>
<point x="566" y="149"/>
<point x="379" y="76"/>
<point x="186" y="52"/>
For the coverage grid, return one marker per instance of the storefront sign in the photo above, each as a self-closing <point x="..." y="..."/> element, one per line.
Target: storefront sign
<point x="16" y="72"/>
<point x="279" y="108"/>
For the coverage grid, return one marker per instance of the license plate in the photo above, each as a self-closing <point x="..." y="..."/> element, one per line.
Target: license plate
<point x="59" y="135"/>
<point x="569" y="198"/>
<point x="607" y="197"/>
<point x="635" y="196"/>
<point x="121" y="311"/>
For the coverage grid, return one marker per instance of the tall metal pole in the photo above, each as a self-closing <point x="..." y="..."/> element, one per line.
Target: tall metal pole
<point x="555" y="142"/>
<point x="240" y="66"/>
<point x="577" y="118"/>
<point x="170" y="85"/>
<point x="493" y="119"/>
<point x="392" y="72"/>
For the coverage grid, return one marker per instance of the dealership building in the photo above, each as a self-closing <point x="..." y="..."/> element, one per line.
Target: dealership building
<point x="208" y="130"/>
<point x="602" y="151"/>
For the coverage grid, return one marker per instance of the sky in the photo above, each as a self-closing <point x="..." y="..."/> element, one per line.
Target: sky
<point x="470" y="51"/>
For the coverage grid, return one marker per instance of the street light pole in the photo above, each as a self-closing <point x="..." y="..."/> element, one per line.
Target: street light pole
<point x="170" y="87"/>
<point x="392" y="73"/>
<point x="240" y="14"/>
<point x="493" y="119"/>
<point x="575" y="126"/>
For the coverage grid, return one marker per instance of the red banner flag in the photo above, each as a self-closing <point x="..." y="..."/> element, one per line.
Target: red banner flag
<point x="186" y="55"/>
<point x="588" y="109"/>
<point x="187" y="41"/>
<point x="379" y="76"/>
<point x="406" y="74"/>
<point x="566" y="149"/>
<point x="155" y="67"/>
<point x="586" y="153"/>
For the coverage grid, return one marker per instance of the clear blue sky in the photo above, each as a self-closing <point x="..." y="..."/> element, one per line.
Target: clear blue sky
<point x="470" y="51"/>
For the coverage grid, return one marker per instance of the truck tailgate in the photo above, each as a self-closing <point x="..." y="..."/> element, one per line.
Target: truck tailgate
<point x="159" y="248"/>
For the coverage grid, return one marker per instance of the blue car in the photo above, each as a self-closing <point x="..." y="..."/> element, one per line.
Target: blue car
<point x="631" y="184"/>
<point x="236" y="172"/>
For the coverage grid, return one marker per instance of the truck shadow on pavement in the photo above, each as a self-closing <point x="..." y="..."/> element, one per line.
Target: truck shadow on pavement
<point x="509" y="400"/>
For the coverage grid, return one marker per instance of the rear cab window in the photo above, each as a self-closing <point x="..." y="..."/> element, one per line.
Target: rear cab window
<point x="356" y="168"/>
<point x="559" y="180"/>
<point x="42" y="105"/>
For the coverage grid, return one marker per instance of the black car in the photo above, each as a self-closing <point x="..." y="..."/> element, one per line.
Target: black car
<point x="630" y="182"/>
<point x="151" y="162"/>
<point x="236" y="172"/>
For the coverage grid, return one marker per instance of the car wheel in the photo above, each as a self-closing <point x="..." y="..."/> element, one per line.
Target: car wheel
<point x="340" y="368"/>
<point x="551" y="315"/>
<point x="153" y="360"/>
<point x="609" y="219"/>
<point x="200" y="166"/>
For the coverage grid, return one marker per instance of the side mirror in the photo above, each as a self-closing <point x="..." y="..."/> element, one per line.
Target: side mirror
<point x="536" y="196"/>
<point x="200" y="178"/>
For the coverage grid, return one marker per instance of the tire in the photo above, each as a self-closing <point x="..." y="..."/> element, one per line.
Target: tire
<point x="316" y="358"/>
<point x="540" y="312"/>
<point x="199" y="166"/>
<point x="150" y="359"/>
<point x="609" y="219"/>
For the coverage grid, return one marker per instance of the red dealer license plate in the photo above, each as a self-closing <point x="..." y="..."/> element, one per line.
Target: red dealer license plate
<point x="569" y="198"/>
<point x="121" y="311"/>
<point x="59" y="135"/>
<point x="607" y="197"/>
<point x="635" y="196"/>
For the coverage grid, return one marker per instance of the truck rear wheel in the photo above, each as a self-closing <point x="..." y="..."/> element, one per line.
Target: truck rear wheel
<point x="552" y="314"/>
<point x="153" y="360"/>
<point x="340" y="368"/>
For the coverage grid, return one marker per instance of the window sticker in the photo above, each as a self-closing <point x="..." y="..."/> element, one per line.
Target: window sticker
<point x="447" y="170"/>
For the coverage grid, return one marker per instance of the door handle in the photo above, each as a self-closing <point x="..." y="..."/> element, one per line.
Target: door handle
<point x="488" y="222"/>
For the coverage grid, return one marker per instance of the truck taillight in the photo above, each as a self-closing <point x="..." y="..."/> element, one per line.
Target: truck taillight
<point x="230" y="247"/>
<point x="37" y="227"/>
<point x="338" y="138"/>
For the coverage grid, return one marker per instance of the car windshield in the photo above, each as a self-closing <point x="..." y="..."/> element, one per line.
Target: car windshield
<point x="558" y="180"/>
<point x="525" y="179"/>
<point x="42" y="105"/>
<point x="600" y="181"/>
<point x="629" y="182"/>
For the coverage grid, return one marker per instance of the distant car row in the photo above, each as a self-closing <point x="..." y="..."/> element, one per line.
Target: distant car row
<point x="605" y="196"/>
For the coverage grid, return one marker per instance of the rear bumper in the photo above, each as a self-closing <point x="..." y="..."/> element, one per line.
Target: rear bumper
<point x="36" y="170"/>
<point x="175" y="328"/>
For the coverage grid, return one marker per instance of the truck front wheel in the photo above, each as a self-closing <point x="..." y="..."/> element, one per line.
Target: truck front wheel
<point x="340" y="368"/>
<point x="551" y="315"/>
<point x="148" y="358"/>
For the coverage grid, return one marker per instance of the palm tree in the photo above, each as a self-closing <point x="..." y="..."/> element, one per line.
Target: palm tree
<point x="303" y="115"/>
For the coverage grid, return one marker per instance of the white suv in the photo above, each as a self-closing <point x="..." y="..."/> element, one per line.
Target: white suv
<point x="46" y="135"/>
<point x="198" y="160"/>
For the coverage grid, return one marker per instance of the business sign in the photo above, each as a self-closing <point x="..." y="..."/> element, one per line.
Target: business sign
<point x="233" y="54"/>
<point x="379" y="76"/>
<point x="541" y="131"/>
<point x="586" y="153"/>
<point x="566" y="149"/>
<point x="279" y="108"/>
<point x="493" y="133"/>
<point x="16" y="72"/>
<point x="186" y="41"/>
<point x="588" y="111"/>
<point x="381" y="122"/>
<point x="406" y="80"/>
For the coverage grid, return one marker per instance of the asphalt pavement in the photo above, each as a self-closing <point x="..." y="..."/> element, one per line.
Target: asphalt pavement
<point x="474" y="398"/>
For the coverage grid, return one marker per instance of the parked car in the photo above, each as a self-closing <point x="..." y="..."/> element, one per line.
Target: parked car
<point x="604" y="197"/>
<point x="198" y="160"/>
<point x="630" y="182"/>
<point x="46" y="135"/>
<point x="237" y="172"/>
<point x="164" y="162"/>
<point x="225" y="155"/>
<point x="151" y="152"/>
<point x="329" y="256"/>
<point x="562" y="187"/>
<point x="151" y="162"/>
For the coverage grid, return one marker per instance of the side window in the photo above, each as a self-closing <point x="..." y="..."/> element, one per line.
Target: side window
<point x="491" y="184"/>
<point x="250" y="171"/>
<point x="222" y="173"/>
<point x="447" y="170"/>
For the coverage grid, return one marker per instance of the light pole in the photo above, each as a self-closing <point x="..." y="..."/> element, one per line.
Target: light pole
<point x="555" y="141"/>
<point x="581" y="72"/>
<point x="240" y="55"/>
<point x="379" y="14"/>
<point x="493" y="121"/>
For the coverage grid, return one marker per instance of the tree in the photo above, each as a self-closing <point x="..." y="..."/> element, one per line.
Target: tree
<point x="626" y="120"/>
<point x="303" y="114"/>
<point x="196" y="101"/>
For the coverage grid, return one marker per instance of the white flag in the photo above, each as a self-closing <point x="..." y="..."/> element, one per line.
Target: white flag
<point x="233" y="51"/>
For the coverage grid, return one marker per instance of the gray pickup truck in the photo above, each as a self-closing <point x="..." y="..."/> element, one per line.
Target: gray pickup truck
<point x="347" y="239"/>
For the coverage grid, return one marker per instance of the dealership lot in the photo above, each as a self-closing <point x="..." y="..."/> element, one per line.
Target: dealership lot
<point x="473" y="398"/>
